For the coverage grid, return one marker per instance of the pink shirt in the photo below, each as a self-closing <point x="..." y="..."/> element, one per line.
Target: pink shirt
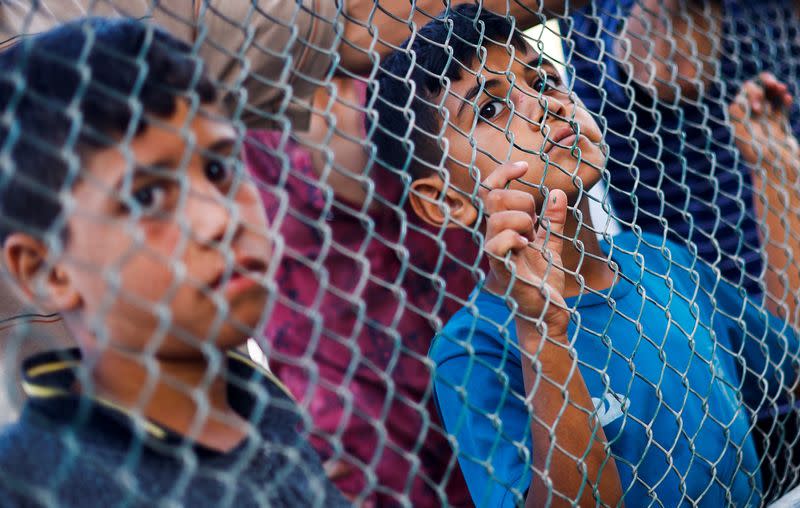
<point x="350" y="331"/>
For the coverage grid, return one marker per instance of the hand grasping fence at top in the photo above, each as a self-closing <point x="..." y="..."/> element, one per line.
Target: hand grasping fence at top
<point x="768" y="145"/>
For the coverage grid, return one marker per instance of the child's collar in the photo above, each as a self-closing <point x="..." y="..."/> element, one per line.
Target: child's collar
<point x="48" y="378"/>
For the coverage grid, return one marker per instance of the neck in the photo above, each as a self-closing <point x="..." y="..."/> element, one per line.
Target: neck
<point x="595" y="272"/>
<point x="164" y="392"/>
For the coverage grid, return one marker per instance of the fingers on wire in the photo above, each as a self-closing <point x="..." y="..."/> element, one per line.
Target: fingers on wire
<point x="550" y="234"/>
<point x="500" y="200"/>
<point x="764" y="93"/>
<point x="502" y="177"/>
<point x="775" y="91"/>
<point x="511" y="222"/>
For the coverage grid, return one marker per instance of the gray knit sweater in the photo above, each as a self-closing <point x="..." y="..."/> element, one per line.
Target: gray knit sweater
<point x="68" y="450"/>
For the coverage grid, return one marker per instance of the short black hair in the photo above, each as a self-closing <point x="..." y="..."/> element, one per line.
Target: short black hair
<point x="75" y="89"/>
<point x="408" y="126"/>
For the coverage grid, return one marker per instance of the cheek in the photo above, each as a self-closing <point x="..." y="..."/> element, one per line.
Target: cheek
<point x="145" y="285"/>
<point x="494" y="142"/>
<point x="490" y="144"/>
<point x="119" y="268"/>
<point x="251" y="207"/>
<point x="146" y="278"/>
<point x="589" y="127"/>
<point x="94" y="250"/>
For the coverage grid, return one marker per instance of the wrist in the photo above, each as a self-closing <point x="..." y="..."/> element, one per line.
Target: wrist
<point x="553" y="324"/>
<point x="536" y="335"/>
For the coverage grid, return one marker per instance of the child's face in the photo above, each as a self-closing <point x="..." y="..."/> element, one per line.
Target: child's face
<point x="541" y="130"/>
<point x="190" y="264"/>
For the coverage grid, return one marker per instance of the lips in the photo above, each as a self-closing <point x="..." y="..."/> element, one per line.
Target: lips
<point x="564" y="136"/>
<point x="248" y="271"/>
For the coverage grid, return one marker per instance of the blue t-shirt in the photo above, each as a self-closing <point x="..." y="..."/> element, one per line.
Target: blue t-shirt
<point x="674" y="167"/>
<point x="676" y="361"/>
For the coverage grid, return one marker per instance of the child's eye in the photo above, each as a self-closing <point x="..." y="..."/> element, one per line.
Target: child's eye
<point x="546" y="82"/>
<point x="150" y="199"/>
<point x="492" y="110"/>
<point x="217" y="172"/>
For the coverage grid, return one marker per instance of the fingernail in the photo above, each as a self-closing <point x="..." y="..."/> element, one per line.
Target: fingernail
<point x="520" y="165"/>
<point x="555" y="199"/>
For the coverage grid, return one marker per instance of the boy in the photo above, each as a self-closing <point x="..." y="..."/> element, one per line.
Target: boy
<point x="587" y="372"/>
<point x="122" y="211"/>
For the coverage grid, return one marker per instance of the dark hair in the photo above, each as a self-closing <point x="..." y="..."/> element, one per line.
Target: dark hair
<point x="407" y="131"/>
<point x="78" y="88"/>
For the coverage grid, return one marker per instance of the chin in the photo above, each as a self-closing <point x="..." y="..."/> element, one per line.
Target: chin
<point x="587" y="175"/>
<point x="231" y="340"/>
<point x="592" y="165"/>
<point x="228" y="338"/>
<point x="242" y="323"/>
<point x="232" y="333"/>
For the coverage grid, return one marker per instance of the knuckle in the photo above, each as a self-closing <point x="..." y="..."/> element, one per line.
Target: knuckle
<point x="497" y="245"/>
<point x="494" y="199"/>
<point x="502" y="173"/>
<point x="525" y="221"/>
<point x="489" y="181"/>
<point x="520" y="196"/>
<point x="531" y="200"/>
<point x="497" y="219"/>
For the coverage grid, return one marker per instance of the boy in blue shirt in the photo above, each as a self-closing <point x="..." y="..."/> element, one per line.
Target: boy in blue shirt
<point x="579" y="371"/>
<point x="122" y="210"/>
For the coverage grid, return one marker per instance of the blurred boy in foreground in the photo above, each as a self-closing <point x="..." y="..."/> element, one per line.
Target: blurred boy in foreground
<point x="123" y="209"/>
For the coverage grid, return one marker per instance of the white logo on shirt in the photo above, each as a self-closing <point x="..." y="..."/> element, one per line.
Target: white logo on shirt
<point x="610" y="407"/>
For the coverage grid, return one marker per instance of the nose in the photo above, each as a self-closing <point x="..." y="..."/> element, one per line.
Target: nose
<point x="210" y="217"/>
<point x="537" y="107"/>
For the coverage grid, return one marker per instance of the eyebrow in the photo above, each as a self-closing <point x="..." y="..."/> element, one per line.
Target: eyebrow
<point x="474" y="91"/>
<point x="166" y="165"/>
<point x="537" y="60"/>
<point x="158" y="167"/>
<point x="221" y="146"/>
<point x="545" y="62"/>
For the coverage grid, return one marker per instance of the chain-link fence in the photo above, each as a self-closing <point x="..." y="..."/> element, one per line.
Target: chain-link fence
<point x="307" y="271"/>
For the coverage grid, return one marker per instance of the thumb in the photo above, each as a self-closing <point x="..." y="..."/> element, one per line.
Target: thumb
<point x="551" y="224"/>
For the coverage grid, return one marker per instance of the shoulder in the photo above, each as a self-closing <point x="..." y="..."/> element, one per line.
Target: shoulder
<point x="480" y="327"/>
<point x="655" y="253"/>
<point x="24" y="443"/>
<point x="664" y="267"/>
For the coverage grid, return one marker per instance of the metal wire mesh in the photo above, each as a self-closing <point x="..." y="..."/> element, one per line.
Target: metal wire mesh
<point x="641" y="350"/>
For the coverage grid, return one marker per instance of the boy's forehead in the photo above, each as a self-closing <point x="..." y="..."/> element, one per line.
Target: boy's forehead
<point x="500" y="59"/>
<point x="496" y="61"/>
<point x="493" y="65"/>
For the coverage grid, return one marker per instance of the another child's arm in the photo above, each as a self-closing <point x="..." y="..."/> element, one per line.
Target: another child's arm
<point x="570" y="455"/>
<point x="769" y="147"/>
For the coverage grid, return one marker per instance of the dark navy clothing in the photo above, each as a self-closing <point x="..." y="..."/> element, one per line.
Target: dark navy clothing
<point x="677" y="363"/>
<point x="674" y="167"/>
<point x="69" y="450"/>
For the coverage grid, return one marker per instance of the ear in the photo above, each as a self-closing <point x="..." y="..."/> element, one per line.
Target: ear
<point x="49" y="287"/>
<point x="426" y="200"/>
